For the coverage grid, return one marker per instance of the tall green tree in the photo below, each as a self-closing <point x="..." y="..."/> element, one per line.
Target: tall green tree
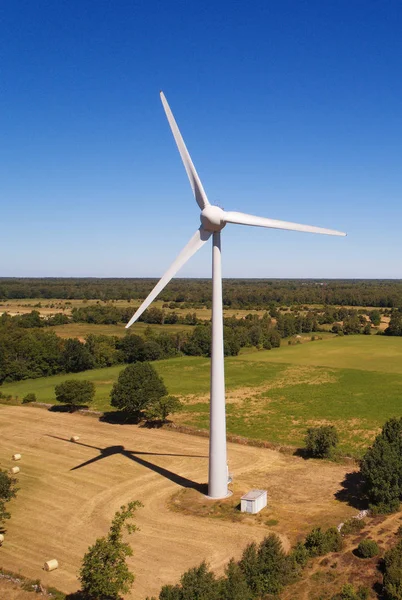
<point x="137" y="387"/>
<point x="104" y="574"/>
<point x="381" y="468"/>
<point x="76" y="357"/>
<point x="266" y="568"/>
<point x="234" y="585"/>
<point x="393" y="573"/>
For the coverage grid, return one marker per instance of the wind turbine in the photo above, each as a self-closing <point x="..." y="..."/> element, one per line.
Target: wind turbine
<point x="213" y="220"/>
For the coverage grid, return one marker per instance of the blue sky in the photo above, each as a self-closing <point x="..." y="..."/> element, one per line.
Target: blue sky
<point x="290" y="110"/>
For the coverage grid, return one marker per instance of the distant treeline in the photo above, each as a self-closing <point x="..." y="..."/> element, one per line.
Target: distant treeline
<point x="30" y="349"/>
<point x="237" y="293"/>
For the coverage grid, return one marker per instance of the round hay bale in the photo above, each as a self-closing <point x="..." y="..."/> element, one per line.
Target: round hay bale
<point x="74" y="438"/>
<point x="1" y="538"/>
<point x="51" y="565"/>
<point x="15" y="470"/>
<point x="16" y="456"/>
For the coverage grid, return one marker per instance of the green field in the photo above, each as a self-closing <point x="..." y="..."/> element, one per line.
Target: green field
<point x="353" y="382"/>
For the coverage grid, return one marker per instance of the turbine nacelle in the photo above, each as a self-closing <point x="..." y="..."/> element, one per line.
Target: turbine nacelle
<point x="213" y="218"/>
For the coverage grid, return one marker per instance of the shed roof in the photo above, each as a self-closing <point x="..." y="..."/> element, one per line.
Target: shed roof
<point x="253" y="494"/>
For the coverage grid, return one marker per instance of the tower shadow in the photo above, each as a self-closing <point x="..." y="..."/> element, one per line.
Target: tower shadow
<point x="134" y="455"/>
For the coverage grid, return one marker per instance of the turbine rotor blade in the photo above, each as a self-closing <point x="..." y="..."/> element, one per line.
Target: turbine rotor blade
<point x="244" y="219"/>
<point x="200" y="237"/>
<point x="195" y="181"/>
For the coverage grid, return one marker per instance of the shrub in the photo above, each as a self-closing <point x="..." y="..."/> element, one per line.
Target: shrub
<point x="348" y="592"/>
<point x="321" y="441"/>
<point x="29" y="398"/>
<point x="353" y="526"/>
<point x="75" y="392"/>
<point x="367" y="549"/>
<point x="320" y="542"/>
<point x="300" y="554"/>
<point x="160" y="409"/>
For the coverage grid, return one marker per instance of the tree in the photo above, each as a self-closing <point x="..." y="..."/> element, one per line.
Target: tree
<point x="266" y="569"/>
<point x="138" y="386"/>
<point x="103" y="350"/>
<point x="7" y="492"/>
<point x="75" y="392"/>
<point x="104" y="573"/>
<point x="132" y="348"/>
<point x="321" y="441"/>
<point x="76" y="357"/>
<point x="199" y="583"/>
<point x="160" y="409"/>
<point x="234" y="585"/>
<point x="381" y="468"/>
<point x="375" y="317"/>
<point x="393" y="573"/>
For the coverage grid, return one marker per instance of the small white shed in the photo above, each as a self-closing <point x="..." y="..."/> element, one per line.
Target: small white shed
<point x="254" y="501"/>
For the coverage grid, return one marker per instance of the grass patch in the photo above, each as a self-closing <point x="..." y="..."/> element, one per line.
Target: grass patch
<point x="368" y="353"/>
<point x="276" y="395"/>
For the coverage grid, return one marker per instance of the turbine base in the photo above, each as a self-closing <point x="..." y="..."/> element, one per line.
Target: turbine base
<point x="218" y="497"/>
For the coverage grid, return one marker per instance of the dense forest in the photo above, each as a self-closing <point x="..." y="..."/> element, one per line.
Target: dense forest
<point x="237" y="293"/>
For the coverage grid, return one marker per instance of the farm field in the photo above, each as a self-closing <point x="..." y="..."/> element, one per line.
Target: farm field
<point x="81" y="330"/>
<point x="64" y="490"/>
<point x="53" y="306"/>
<point x="353" y="382"/>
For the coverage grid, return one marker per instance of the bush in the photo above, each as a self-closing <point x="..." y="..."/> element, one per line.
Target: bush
<point x="75" y="392"/>
<point x="348" y="592"/>
<point x="321" y="441"/>
<point x="367" y="549"/>
<point x="353" y="526"/>
<point x="160" y="409"/>
<point x="29" y="398"/>
<point x="320" y="542"/>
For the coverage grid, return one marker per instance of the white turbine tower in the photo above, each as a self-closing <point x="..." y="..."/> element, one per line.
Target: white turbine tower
<point x="213" y="220"/>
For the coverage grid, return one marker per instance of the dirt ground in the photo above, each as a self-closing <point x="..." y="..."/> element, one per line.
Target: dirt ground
<point x="69" y="493"/>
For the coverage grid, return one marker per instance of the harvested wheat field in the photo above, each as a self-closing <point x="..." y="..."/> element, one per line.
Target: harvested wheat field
<point x="69" y="493"/>
<point x="12" y="591"/>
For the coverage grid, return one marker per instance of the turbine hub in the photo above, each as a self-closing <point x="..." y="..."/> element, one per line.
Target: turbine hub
<point x="212" y="218"/>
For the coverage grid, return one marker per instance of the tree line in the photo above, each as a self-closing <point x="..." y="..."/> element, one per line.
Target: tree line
<point x="32" y="352"/>
<point x="237" y="293"/>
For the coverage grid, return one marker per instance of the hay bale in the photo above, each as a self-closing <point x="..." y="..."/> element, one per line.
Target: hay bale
<point x="16" y="456"/>
<point x="51" y="565"/>
<point x="1" y="538"/>
<point x="74" y="438"/>
<point x="15" y="470"/>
